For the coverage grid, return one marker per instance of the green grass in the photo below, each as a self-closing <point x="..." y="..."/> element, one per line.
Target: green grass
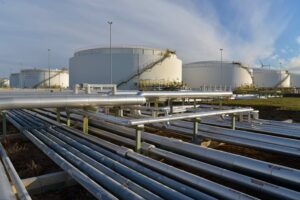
<point x="286" y="103"/>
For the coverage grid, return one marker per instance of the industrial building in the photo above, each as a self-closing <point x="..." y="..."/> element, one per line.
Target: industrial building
<point x="132" y="67"/>
<point x="216" y="74"/>
<point x="269" y="78"/>
<point x="40" y="78"/>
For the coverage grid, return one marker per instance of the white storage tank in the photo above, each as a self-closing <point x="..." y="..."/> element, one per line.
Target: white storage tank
<point x="216" y="74"/>
<point x="14" y="80"/>
<point x="295" y="80"/>
<point x="4" y="82"/>
<point x="131" y="66"/>
<point x="269" y="78"/>
<point x="39" y="78"/>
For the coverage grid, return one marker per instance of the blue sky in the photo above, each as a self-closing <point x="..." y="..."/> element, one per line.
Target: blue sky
<point x="247" y="30"/>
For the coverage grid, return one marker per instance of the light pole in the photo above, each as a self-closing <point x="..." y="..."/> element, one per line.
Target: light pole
<point x="221" y="51"/>
<point x="49" y="67"/>
<point x="110" y="23"/>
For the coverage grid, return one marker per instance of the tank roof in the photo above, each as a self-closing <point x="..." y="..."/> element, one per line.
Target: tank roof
<point x="120" y="47"/>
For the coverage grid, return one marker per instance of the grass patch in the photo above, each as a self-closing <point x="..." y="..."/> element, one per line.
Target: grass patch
<point x="285" y="103"/>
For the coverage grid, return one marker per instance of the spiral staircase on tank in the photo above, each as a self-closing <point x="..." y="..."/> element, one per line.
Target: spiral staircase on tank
<point x="147" y="67"/>
<point x="282" y="80"/>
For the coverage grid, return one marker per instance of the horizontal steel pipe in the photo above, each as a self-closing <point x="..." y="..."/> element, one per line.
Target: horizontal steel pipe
<point x="235" y="140"/>
<point x="183" y="94"/>
<point x="113" y="186"/>
<point x="287" y="176"/>
<point x="242" y="134"/>
<point x="5" y="187"/>
<point x="150" y="120"/>
<point x="68" y="101"/>
<point x="143" y="180"/>
<point x="249" y="182"/>
<point x="108" y="171"/>
<point x="22" y="192"/>
<point x="97" y="191"/>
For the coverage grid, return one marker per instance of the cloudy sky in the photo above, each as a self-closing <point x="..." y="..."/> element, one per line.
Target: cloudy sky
<point x="247" y="30"/>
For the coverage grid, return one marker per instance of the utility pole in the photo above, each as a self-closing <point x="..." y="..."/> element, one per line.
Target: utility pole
<point x="221" y="51"/>
<point x="110" y="23"/>
<point x="49" y="68"/>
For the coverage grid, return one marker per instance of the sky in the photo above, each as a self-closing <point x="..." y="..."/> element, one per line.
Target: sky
<point x="250" y="31"/>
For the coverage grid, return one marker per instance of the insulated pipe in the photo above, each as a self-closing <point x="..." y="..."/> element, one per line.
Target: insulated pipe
<point x="185" y="189"/>
<point x="249" y="182"/>
<point x="183" y="94"/>
<point x="5" y="187"/>
<point x="21" y="190"/>
<point x="81" y="178"/>
<point x="150" y="120"/>
<point x="68" y="101"/>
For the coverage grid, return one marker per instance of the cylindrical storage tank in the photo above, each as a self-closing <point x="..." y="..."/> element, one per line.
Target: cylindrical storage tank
<point x="14" y="80"/>
<point x="215" y="74"/>
<point x="4" y="82"/>
<point x="295" y="80"/>
<point x="131" y="66"/>
<point x="269" y="78"/>
<point x="39" y="78"/>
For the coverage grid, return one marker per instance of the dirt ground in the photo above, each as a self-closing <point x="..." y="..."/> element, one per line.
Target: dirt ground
<point x="71" y="193"/>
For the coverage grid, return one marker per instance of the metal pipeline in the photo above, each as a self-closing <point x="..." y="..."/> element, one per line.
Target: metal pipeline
<point x="252" y="143"/>
<point x="150" y="120"/>
<point x="242" y="134"/>
<point x="249" y="166"/>
<point x="93" y="187"/>
<point x="21" y="190"/>
<point x="5" y="187"/>
<point x="255" y="184"/>
<point x="198" y="182"/>
<point x="143" y="180"/>
<point x="183" y="94"/>
<point x="68" y="101"/>
<point x="111" y="185"/>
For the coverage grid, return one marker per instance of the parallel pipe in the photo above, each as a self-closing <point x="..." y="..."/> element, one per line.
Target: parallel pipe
<point x="21" y="190"/>
<point x="285" y="175"/>
<point x="255" y="184"/>
<point x="182" y="188"/>
<point x="252" y="143"/>
<point x="95" y="189"/>
<point x="242" y="134"/>
<point x="5" y="187"/>
<point x="68" y="101"/>
<point x="183" y="94"/>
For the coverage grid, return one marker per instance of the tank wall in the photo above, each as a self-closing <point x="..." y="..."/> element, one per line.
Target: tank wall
<point x="32" y="78"/>
<point x="295" y="80"/>
<point x="271" y="78"/>
<point x="200" y="74"/>
<point x="93" y="66"/>
<point x="14" y="80"/>
<point x="170" y="70"/>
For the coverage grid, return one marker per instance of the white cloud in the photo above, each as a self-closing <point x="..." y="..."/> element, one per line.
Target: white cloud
<point x="29" y="28"/>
